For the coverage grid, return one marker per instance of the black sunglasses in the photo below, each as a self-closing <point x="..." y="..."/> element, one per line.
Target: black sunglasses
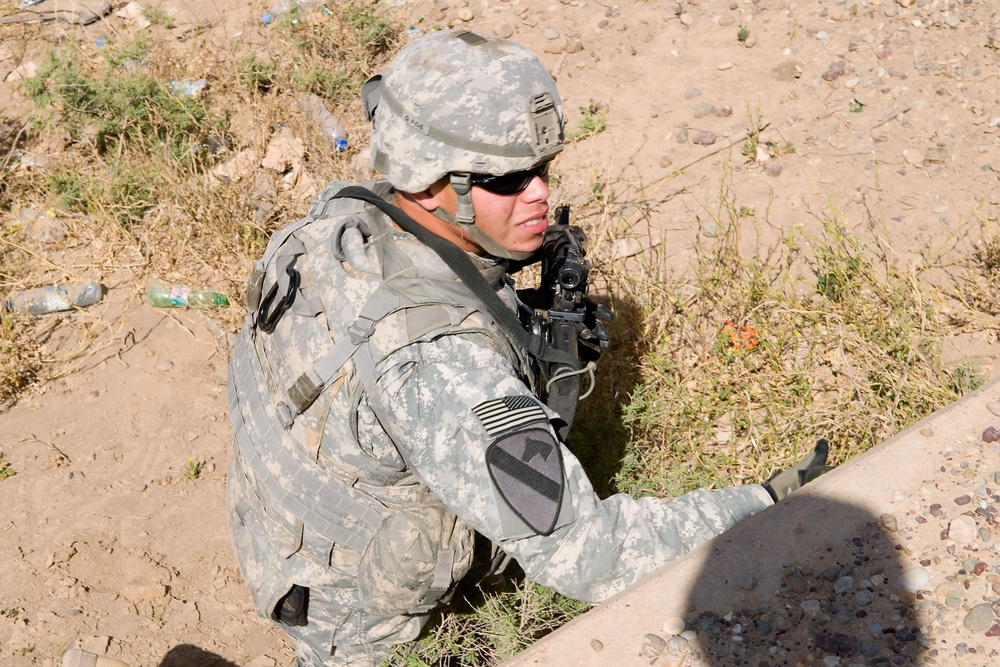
<point x="509" y="184"/>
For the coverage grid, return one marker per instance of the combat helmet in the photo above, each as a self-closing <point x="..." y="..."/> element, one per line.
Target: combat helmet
<point x="455" y="103"/>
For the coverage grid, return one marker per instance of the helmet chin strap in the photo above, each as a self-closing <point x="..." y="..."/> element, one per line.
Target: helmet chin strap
<point x="465" y="218"/>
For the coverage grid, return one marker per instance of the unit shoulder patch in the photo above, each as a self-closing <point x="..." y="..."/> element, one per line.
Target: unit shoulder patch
<point x="527" y="469"/>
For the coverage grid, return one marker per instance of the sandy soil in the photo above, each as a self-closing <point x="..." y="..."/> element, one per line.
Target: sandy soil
<point x="893" y="113"/>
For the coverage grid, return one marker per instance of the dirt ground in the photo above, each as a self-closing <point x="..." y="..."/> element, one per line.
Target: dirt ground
<point x="885" y="110"/>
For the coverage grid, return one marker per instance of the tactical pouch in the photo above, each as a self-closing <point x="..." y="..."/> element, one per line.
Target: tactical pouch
<point x="417" y="554"/>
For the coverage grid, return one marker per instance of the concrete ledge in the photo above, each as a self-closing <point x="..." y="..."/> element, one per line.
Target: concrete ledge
<point x="887" y="560"/>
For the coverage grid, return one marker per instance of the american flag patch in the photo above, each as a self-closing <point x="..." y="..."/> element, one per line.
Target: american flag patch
<point x="508" y="414"/>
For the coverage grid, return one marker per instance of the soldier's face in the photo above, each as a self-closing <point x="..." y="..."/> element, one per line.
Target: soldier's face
<point x="518" y="221"/>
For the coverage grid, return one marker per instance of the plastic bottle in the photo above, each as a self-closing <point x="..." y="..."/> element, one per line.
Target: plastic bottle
<point x="55" y="298"/>
<point x="188" y="88"/>
<point x="170" y="295"/>
<point x="282" y="7"/>
<point x="312" y="107"/>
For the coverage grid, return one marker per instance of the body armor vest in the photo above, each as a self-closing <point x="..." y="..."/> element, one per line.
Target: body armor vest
<point x="334" y="294"/>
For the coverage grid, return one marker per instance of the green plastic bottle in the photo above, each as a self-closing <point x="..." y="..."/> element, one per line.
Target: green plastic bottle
<point x="170" y="295"/>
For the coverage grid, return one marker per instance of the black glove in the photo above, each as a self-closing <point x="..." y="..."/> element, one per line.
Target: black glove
<point x="783" y="482"/>
<point x="593" y="337"/>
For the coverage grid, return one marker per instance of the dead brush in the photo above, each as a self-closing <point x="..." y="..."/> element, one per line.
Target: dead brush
<point x="127" y="161"/>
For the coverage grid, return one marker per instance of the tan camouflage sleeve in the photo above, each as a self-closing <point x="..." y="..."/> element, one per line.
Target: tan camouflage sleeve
<point x="483" y="445"/>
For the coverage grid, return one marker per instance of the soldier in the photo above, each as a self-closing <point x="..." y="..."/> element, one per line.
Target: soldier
<point x="384" y="393"/>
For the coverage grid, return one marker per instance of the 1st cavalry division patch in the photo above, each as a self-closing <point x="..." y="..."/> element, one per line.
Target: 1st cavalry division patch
<point x="525" y="463"/>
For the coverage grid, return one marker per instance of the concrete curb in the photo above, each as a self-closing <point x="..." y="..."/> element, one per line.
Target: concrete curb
<point x="803" y="567"/>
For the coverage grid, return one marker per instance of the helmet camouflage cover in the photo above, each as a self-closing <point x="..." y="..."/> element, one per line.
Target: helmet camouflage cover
<point x="460" y="101"/>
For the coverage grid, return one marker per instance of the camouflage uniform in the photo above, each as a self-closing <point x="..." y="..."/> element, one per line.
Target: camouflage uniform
<point x="371" y="492"/>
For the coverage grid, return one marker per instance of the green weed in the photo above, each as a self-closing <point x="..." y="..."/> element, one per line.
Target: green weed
<point x="743" y="35"/>
<point x="6" y="470"/>
<point x="157" y="16"/>
<point x="332" y="85"/>
<point x="375" y="32"/>
<point x="118" y="107"/>
<point x="491" y="626"/>
<point x="850" y="352"/>
<point x="193" y="468"/>
<point x="255" y="72"/>
<point x="593" y="121"/>
<point x="755" y="124"/>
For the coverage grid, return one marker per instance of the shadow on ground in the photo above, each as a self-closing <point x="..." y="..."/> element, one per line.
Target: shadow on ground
<point x="186" y="655"/>
<point x="827" y="589"/>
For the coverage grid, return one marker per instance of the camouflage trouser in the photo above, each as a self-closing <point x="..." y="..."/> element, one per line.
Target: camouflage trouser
<point x="352" y="616"/>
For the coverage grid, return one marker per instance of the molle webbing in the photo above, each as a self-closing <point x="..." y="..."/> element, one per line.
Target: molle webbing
<point x="347" y="516"/>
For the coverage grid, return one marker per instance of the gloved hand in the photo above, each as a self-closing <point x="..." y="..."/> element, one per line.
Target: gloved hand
<point x="593" y="337"/>
<point x="783" y="482"/>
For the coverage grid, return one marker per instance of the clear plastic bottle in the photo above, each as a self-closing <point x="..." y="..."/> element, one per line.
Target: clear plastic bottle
<point x="171" y="295"/>
<point x="55" y="298"/>
<point x="282" y="7"/>
<point x="329" y="126"/>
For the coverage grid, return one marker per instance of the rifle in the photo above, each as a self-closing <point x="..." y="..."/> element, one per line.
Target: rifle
<point x="563" y="290"/>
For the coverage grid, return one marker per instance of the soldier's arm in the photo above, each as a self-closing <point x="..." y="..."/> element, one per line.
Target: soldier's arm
<point x="484" y="446"/>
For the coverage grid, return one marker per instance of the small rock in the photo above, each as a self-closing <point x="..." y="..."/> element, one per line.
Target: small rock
<point x="164" y="366"/>
<point x="994" y="631"/>
<point x="465" y="14"/>
<point x="914" y="579"/>
<point x="905" y="3"/>
<point x="725" y="111"/>
<point x="682" y="135"/>
<point x="864" y="597"/>
<point x="834" y="71"/>
<point x="703" y="109"/>
<point x="963" y="500"/>
<point x="913" y="156"/>
<point x="773" y="168"/>
<point x="673" y="626"/>
<point x="889" y="522"/>
<point x="811" y="606"/>
<point x="694" y="92"/>
<point x="687" y="19"/>
<point x="843" y="584"/>
<point x="979" y="618"/>
<point x="504" y="30"/>
<point x="573" y="45"/>
<point x="653" y="645"/>
<point x="962" y="530"/>
<point x="747" y="582"/>
<point x="551" y="34"/>
<point x="597" y="645"/>
<point x="724" y="65"/>
<point x="927" y="432"/>
<point x="991" y="434"/>
<point x="704" y="138"/>
<point x="993" y="407"/>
